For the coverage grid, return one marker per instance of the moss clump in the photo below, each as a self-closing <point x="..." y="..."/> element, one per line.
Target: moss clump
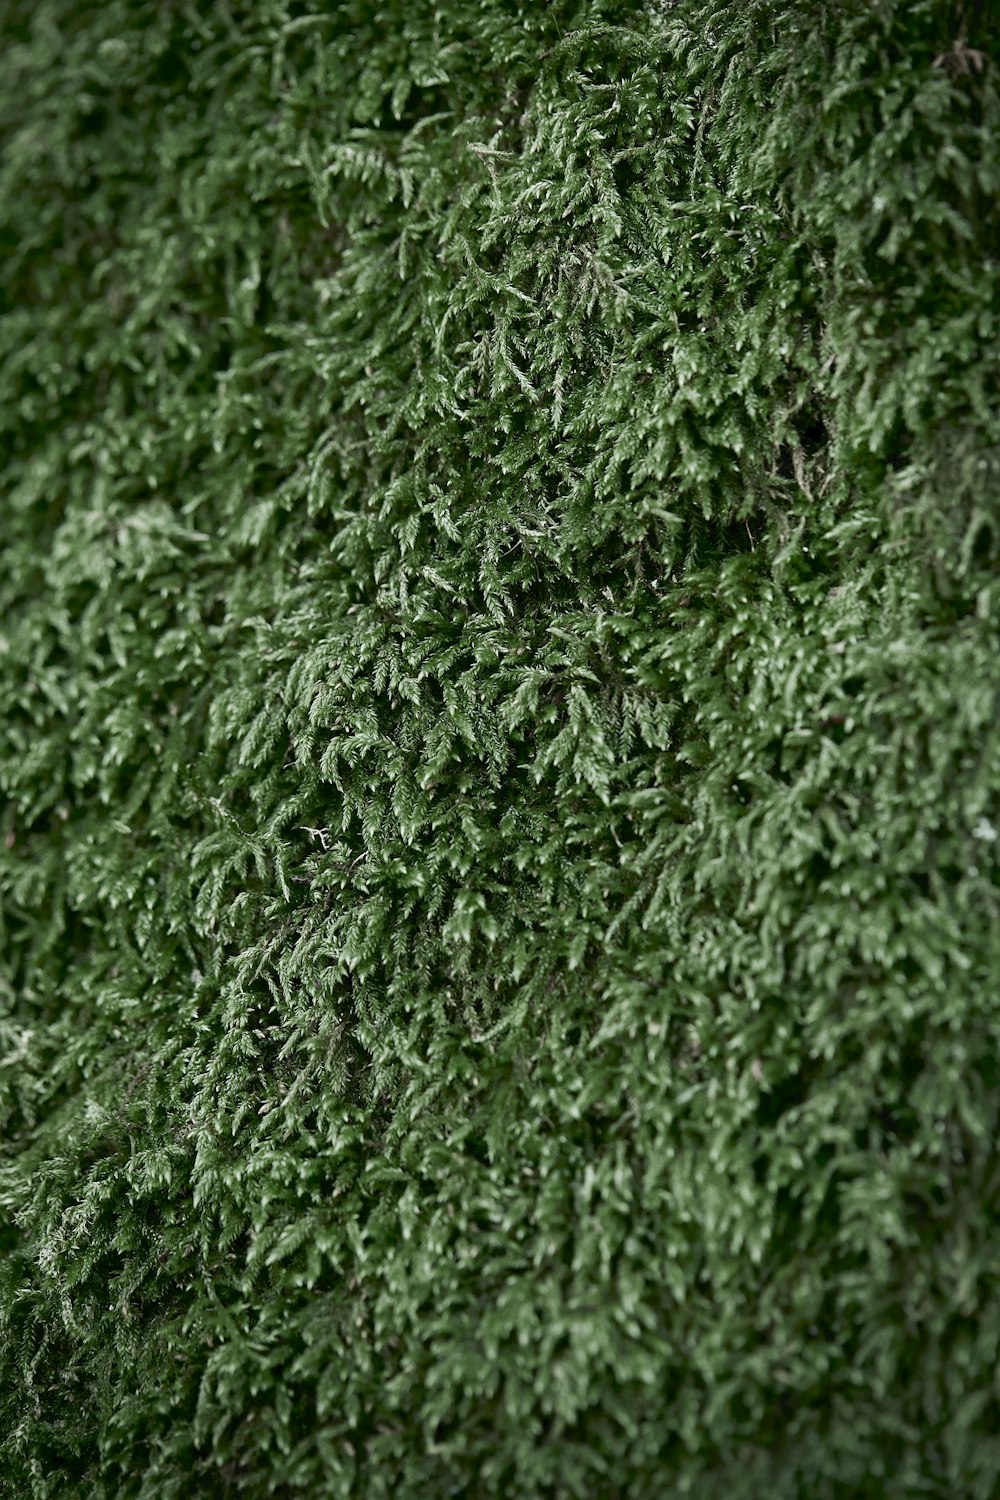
<point x="500" y="978"/>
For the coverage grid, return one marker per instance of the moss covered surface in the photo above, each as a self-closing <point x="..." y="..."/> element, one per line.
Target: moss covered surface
<point x="500" y="752"/>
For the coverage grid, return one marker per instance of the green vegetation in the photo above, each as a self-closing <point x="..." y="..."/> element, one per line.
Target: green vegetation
<point x="500" y="752"/>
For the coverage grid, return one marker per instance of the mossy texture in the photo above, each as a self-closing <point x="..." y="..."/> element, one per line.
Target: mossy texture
<point x="500" y="750"/>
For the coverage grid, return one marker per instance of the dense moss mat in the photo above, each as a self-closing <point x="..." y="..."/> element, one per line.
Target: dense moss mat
<point x="500" y="750"/>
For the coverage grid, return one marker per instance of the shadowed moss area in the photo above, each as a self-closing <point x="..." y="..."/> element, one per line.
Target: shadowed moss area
<point x="500" y="749"/>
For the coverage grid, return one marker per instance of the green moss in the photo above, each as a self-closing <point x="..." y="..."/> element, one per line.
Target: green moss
<point x="500" y="759"/>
